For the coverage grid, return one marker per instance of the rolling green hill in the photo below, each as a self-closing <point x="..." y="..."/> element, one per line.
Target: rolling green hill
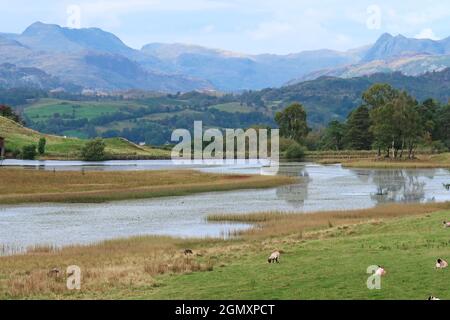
<point x="18" y="136"/>
<point x="151" y="119"/>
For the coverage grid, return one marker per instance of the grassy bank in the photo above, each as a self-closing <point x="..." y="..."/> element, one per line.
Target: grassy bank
<point x="368" y="159"/>
<point x="422" y="162"/>
<point x="324" y="256"/>
<point x="22" y="186"/>
<point x="18" y="136"/>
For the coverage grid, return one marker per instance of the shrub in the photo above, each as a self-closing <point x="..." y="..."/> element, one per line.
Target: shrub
<point x="295" y="152"/>
<point x="41" y="145"/>
<point x="94" y="150"/>
<point x="29" y="152"/>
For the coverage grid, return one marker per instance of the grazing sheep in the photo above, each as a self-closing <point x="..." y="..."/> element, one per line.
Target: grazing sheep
<point x="433" y="298"/>
<point x="274" y="257"/>
<point x="380" y="271"/>
<point x="54" y="273"/>
<point x="187" y="251"/>
<point x="441" y="264"/>
<point x="446" y="224"/>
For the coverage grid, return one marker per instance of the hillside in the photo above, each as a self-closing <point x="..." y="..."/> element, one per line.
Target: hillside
<point x="59" y="147"/>
<point x="12" y="76"/>
<point x="152" y="118"/>
<point x="328" y="98"/>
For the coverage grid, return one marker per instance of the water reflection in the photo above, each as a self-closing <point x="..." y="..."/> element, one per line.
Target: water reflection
<point x="319" y="188"/>
<point x="294" y="194"/>
<point x="397" y="185"/>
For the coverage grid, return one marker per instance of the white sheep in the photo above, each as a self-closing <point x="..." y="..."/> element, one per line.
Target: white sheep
<point x="274" y="257"/>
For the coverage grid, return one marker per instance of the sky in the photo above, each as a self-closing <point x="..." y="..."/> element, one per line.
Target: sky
<point x="247" y="26"/>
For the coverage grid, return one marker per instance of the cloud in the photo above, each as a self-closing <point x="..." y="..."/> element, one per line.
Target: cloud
<point x="426" y="33"/>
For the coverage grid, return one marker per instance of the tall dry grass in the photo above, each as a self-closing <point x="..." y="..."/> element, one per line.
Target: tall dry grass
<point x="277" y="223"/>
<point x="20" y="185"/>
<point x="121" y="264"/>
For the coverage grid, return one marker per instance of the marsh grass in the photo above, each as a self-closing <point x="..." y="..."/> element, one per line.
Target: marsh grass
<point x="115" y="264"/>
<point x="21" y="186"/>
<point x="269" y="224"/>
<point x="423" y="161"/>
<point x="368" y="159"/>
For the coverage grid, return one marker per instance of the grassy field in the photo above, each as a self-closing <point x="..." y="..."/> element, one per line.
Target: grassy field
<point x="324" y="256"/>
<point x="44" y="109"/>
<point x="20" y="186"/>
<point x="58" y="147"/>
<point x="232" y="107"/>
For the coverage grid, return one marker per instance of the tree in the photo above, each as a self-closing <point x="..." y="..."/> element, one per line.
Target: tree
<point x="379" y="95"/>
<point x="7" y="112"/>
<point x="94" y="150"/>
<point x="41" y="145"/>
<point x="295" y="152"/>
<point x="429" y="111"/>
<point x="292" y="122"/>
<point x="375" y="97"/>
<point x="396" y="125"/>
<point x="334" y="136"/>
<point x="444" y="125"/>
<point x="358" y="135"/>
<point x="29" y="152"/>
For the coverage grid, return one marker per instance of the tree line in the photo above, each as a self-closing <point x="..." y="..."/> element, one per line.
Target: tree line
<point x="388" y="120"/>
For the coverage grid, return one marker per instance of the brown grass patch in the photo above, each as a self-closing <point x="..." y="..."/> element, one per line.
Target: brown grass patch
<point x="20" y="185"/>
<point x="269" y="224"/>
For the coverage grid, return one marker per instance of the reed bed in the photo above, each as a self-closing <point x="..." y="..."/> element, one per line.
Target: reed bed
<point x="269" y="224"/>
<point x="21" y="186"/>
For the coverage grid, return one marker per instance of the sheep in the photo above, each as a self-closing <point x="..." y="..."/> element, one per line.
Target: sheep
<point x="380" y="271"/>
<point x="54" y="273"/>
<point x="274" y="257"/>
<point x="433" y="298"/>
<point x="441" y="264"/>
<point x="446" y="224"/>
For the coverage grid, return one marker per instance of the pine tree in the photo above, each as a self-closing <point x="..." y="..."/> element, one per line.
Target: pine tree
<point x="358" y="135"/>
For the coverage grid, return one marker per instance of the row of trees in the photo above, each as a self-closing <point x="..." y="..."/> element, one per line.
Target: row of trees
<point x="392" y="122"/>
<point x="388" y="120"/>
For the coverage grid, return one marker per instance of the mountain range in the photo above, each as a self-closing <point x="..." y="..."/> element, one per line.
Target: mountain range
<point x="91" y="58"/>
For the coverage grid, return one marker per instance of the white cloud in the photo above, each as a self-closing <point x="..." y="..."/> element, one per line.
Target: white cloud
<point x="426" y="33"/>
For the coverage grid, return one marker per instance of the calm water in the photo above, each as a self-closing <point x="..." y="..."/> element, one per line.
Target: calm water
<point x="318" y="188"/>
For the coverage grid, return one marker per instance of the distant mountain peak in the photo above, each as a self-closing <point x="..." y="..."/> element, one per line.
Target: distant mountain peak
<point x="39" y="27"/>
<point x="388" y="47"/>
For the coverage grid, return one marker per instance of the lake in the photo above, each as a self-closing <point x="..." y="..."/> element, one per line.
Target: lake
<point x="319" y="187"/>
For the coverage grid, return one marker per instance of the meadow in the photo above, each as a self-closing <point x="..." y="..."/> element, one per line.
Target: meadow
<point x="66" y="148"/>
<point x="323" y="256"/>
<point x="25" y="186"/>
